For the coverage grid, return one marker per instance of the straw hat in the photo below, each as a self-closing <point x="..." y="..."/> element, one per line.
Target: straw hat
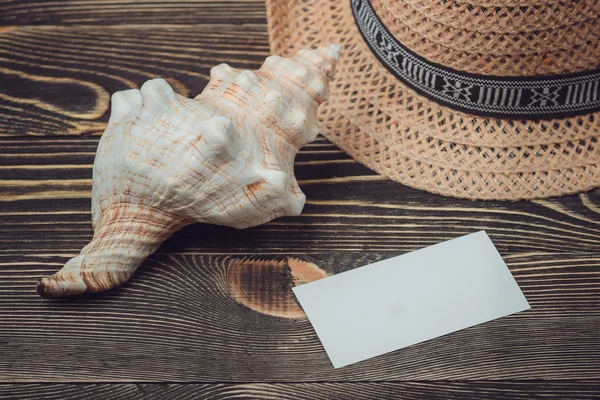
<point x="481" y="99"/>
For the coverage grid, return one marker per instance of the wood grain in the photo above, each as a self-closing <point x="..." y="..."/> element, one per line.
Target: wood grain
<point x="207" y="307"/>
<point x="177" y="321"/>
<point x="309" y="391"/>
<point x="45" y="186"/>
<point x="94" y="12"/>
<point x="58" y="80"/>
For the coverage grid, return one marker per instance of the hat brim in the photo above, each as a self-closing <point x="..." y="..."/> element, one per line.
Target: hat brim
<point x="398" y="133"/>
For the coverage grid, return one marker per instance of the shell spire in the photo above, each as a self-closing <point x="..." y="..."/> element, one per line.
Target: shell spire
<point x="225" y="157"/>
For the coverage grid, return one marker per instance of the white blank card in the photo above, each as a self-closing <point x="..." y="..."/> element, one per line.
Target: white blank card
<point x="391" y="304"/>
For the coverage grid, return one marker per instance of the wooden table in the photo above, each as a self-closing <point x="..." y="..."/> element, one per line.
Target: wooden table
<point x="177" y="329"/>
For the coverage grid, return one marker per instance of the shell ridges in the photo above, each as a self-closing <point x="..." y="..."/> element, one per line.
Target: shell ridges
<point x="224" y="157"/>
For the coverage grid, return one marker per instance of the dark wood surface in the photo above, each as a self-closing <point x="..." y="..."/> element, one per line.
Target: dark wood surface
<point x="440" y="390"/>
<point x="178" y="329"/>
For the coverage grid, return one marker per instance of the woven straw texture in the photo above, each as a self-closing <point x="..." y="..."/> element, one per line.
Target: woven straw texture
<point x="398" y="133"/>
<point x="546" y="38"/>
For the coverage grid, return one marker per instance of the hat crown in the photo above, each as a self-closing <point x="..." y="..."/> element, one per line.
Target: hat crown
<point x="498" y="37"/>
<point x="464" y="104"/>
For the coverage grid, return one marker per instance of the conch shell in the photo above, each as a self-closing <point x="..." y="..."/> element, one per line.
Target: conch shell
<point x="225" y="157"/>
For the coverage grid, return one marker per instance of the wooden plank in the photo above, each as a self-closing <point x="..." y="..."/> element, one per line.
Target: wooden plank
<point x="182" y="319"/>
<point x="95" y="12"/>
<point x="309" y="391"/>
<point x="45" y="186"/>
<point x="214" y="305"/>
<point x="64" y="227"/>
<point x="178" y="312"/>
<point x="58" y="80"/>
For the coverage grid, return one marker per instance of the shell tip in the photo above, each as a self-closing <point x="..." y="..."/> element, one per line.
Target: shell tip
<point x="333" y="50"/>
<point x="51" y="287"/>
<point x="46" y="289"/>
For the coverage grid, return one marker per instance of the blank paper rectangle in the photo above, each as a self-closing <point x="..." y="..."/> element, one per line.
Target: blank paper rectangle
<point x="411" y="298"/>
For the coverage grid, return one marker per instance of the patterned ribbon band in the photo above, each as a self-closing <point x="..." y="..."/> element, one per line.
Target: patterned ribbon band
<point x="516" y="97"/>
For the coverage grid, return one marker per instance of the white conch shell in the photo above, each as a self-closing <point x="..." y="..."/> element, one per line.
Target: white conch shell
<point x="225" y="157"/>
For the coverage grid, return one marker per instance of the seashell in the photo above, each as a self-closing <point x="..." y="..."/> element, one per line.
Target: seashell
<point x="225" y="157"/>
